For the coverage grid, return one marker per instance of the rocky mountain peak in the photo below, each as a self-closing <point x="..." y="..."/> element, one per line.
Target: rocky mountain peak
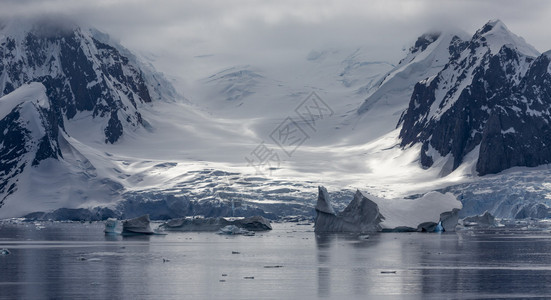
<point x="56" y="76"/>
<point x="490" y="98"/>
<point x="495" y="35"/>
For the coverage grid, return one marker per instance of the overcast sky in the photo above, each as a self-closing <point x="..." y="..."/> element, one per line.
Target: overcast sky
<point x="186" y="37"/>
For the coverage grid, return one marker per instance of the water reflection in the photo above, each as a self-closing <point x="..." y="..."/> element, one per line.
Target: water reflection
<point x="79" y="261"/>
<point x="334" y="251"/>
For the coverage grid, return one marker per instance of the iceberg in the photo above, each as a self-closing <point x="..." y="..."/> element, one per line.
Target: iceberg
<point x="427" y="227"/>
<point x="431" y="212"/>
<point x="484" y="220"/>
<point x="255" y="223"/>
<point x="449" y="219"/>
<point x="111" y="226"/>
<point x="139" y="225"/>
<point x="439" y="227"/>
<point x="360" y="216"/>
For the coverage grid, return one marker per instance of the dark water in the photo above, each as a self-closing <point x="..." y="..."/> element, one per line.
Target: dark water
<point x="76" y="261"/>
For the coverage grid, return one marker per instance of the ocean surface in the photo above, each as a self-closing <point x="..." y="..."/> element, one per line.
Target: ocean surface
<point x="50" y="260"/>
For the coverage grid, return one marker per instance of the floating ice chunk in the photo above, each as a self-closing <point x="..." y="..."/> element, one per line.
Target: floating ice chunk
<point x="439" y="227"/>
<point x="324" y="203"/>
<point x="139" y="225"/>
<point x="360" y="216"/>
<point x="427" y="227"/>
<point x="484" y="220"/>
<point x="255" y="223"/>
<point x="234" y="230"/>
<point x="449" y="219"/>
<point x="111" y="226"/>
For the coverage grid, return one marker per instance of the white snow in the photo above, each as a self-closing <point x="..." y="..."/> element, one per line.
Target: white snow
<point x="33" y="92"/>
<point x="500" y="36"/>
<point x="510" y="130"/>
<point x="412" y="212"/>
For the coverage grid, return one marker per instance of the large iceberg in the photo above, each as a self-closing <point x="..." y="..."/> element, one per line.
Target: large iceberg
<point x="361" y="215"/>
<point x="255" y="223"/>
<point x="139" y="225"/>
<point x="431" y="212"/>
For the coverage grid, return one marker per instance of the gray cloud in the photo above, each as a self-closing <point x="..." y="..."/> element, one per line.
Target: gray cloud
<point x="175" y="33"/>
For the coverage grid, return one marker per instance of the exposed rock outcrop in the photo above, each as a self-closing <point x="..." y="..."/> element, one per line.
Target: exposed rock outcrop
<point x="492" y="98"/>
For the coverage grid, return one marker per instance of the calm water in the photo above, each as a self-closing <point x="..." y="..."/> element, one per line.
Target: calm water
<point x="73" y="261"/>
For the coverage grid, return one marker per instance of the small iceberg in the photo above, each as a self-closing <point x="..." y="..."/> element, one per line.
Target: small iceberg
<point x="484" y="220"/>
<point x="112" y="226"/>
<point x="139" y="225"/>
<point x="439" y="227"/>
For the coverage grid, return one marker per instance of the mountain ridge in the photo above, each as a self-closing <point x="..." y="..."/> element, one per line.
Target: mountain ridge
<point x="477" y="96"/>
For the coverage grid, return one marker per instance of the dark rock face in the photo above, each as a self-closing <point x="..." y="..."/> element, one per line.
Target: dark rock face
<point x="360" y="216"/>
<point x="80" y="75"/>
<point x="21" y="146"/>
<point x="13" y="139"/>
<point x="424" y="41"/>
<point x="496" y="100"/>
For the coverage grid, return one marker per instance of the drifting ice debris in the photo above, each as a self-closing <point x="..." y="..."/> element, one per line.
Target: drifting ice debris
<point x="360" y="216"/>
<point x="484" y="220"/>
<point x="255" y="223"/>
<point x="111" y="225"/>
<point x="139" y="225"/>
<point x="234" y="230"/>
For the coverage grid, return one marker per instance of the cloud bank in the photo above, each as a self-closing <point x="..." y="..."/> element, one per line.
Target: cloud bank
<point x="189" y="39"/>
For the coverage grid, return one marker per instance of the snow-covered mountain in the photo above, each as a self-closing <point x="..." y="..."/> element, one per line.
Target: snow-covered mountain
<point x="88" y="130"/>
<point x="491" y="98"/>
<point x="386" y="101"/>
<point x="54" y="75"/>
